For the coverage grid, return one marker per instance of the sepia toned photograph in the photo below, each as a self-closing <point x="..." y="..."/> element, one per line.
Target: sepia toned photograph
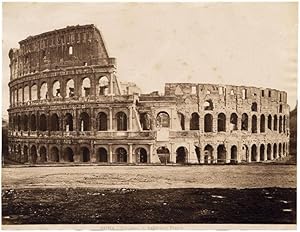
<point x="149" y="115"/>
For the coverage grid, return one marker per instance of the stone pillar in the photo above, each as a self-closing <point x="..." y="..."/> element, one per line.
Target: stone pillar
<point x="258" y="124"/>
<point x="75" y="120"/>
<point x="110" y="119"/>
<point x="215" y="122"/>
<point x="130" y="152"/>
<point x="202" y="152"/>
<point x="29" y="86"/>
<point x="214" y="154"/>
<point x="76" y="154"/>
<point x="265" y="153"/>
<point x="187" y="122"/>
<point x="172" y="153"/>
<point x="63" y="89"/>
<point x="93" y="152"/>
<point x="130" y="118"/>
<point x="110" y="160"/>
<point x="258" y="153"/>
<point x="228" y="153"/>
<point x="150" y="152"/>
<point x="111" y="87"/>
<point x="93" y="85"/>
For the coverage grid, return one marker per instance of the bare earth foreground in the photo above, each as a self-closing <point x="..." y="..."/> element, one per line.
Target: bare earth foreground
<point x="264" y="194"/>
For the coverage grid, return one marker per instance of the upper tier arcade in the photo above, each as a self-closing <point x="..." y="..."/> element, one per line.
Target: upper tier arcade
<point x="67" y="47"/>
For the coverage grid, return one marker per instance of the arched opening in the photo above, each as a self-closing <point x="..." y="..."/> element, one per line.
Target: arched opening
<point x="102" y="155"/>
<point x="33" y="91"/>
<point x="70" y="90"/>
<point x="233" y="156"/>
<point x="141" y="155"/>
<point x="26" y="93"/>
<point x="32" y="122"/>
<point x="25" y="122"/>
<point x="275" y="123"/>
<point x="221" y="156"/>
<point x="254" y="107"/>
<point x="262" y="152"/>
<point x="86" y="87"/>
<point x="194" y="123"/>
<point x="19" y="122"/>
<point x="284" y="122"/>
<point x="262" y="123"/>
<point x="43" y="154"/>
<point x="163" y="154"/>
<point x="121" y="121"/>
<point x="162" y="119"/>
<point x="221" y="122"/>
<point x="270" y="122"/>
<point x="244" y="122"/>
<point x="208" y="105"/>
<point x="181" y="121"/>
<point x="84" y="154"/>
<point x="208" y="154"/>
<point x="254" y="124"/>
<point x="253" y="153"/>
<point x="102" y="121"/>
<point x="280" y="150"/>
<point x="54" y="122"/>
<point x="43" y="122"/>
<point x="54" y="154"/>
<point x="103" y="86"/>
<point x="84" y="122"/>
<point x="283" y="148"/>
<point x="181" y="155"/>
<point x="68" y="155"/>
<point x="233" y="121"/>
<point x="44" y="91"/>
<point x="56" y="89"/>
<point x="275" y="150"/>
<point x="121" y="155"/>
<point x="145" y="121"/>
<point x="25" y="154"/>
<point x="245" y="153"/>
<point x="69" y="122"/>
<point x="280" y="124"/>
<point x="33" y="154"/>
<point x="208" y="123"/>
<point x="269" y="153"/>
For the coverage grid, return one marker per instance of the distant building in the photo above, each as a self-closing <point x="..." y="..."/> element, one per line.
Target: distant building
<point x="67" y="105"/>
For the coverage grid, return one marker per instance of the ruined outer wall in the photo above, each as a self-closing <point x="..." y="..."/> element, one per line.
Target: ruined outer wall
<point x="48" y="124"/>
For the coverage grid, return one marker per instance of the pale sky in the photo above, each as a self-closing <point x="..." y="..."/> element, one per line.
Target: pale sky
<point x="252" y="44"/>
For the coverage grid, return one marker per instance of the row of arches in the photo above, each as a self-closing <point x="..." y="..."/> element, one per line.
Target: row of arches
<point x="47" y="90"/>
<point x="41" y="155"/>
<point x="254" y="153"/>
<point x="53" y="122"/>
<point x="26" y="123"/>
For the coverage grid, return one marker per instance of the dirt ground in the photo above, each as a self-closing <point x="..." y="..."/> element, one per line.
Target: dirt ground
<point x="119" y="206"/>
<point x="151" y="177"/>
<point x="253" y="193"/>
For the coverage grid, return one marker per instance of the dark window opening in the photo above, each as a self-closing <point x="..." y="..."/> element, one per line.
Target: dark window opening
<point x="194" y="123"/>
<point x="221" y="122"/>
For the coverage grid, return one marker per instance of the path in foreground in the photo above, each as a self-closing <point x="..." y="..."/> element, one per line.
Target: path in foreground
<point x="119" y="206"/>
<point x="151" y="177"/>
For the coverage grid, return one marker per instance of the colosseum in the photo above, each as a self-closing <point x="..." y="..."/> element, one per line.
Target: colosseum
<point x="68" y="105"/>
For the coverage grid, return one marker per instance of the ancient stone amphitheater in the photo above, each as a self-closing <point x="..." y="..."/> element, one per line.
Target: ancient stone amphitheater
<point x="67" y="105"/>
